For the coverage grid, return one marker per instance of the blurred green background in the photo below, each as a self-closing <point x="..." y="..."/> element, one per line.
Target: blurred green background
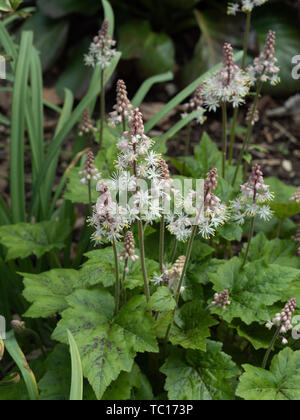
<point x="154" y="36"/>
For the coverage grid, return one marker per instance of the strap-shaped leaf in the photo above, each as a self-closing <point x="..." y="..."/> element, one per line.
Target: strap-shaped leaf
<point x="17" y="355"/>
<point x="76" y="392"/>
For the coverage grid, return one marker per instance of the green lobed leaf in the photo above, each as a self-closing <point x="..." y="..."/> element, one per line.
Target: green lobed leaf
<point x="76" y="191"/>
<point x="107" y="345"/>
<point x="251" y="289"/>
<point x="282" y="205"/>
<point x="192" y="326"/>
<point x="258" y="335"/>
<point x="280" y="383"/>
<point x="195" y="375"/>
<point x="283" y="210"/>
<point x="231" y="232"/>
<point x="162" y="300"/>
<point x="100" y="269"/>
<point x="275" y="251"/>
<point x="122" y="388"/>
<point x="48" y="291"/>
<point x="154" y="51"/>
<point x="24" y="239"/>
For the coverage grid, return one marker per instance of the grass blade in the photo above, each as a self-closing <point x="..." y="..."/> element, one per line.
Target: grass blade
<point x="147" y="85"/>
<point x="64" y="117"/>
<point x="19" y="103"/>
<point x="181" y="96"/>
<point x="5" y="216"/>
<point x="77" y="376"/>
<point x="109" y="15"/>
<point x="4" y="120"/>
<point x="7" y="43"/>
<point x="177" y="127"/>
<point x="17" y="355"/>
<point x="61" y="136"/>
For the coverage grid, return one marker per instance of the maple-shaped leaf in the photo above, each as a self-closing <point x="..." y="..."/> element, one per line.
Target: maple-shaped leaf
<point x="162" y="300"/>
<point x="24" y="239"/>
<point x="251" y="289"/>
<point x="107" y="344"/>
<point x="275" y="251"/>
<point x="48" y="291"/>
<point x="192" y="326"/>
<point x="197" y="375"/>
<point x="281" y="382"/>
<point x="100" y="269"/>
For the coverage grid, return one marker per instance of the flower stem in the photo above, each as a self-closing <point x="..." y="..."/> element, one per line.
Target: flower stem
<point x="187" y="260"/>
<point x="236" y="110"/>
<point x="162" y="243"/>
<point x="274" y="339"/>
<point x="174" y="249"/>
<point x="246" y="142"/>
<point x="143" y="261"/>
<point x="102" y="108"/>
<point x="90" y="195"/>
<point x="123" y="123"/>
<point x="224" y="138"/>
<point x="117" y="286"/>
<point x="246" y="38"/>
<point x="123" y="279"/>
<point x="249" y="241"/>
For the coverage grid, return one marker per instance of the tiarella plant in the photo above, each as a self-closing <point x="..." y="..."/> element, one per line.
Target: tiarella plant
<point x="159" y="285"/>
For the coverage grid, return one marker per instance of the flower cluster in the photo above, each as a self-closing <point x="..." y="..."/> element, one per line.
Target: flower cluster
<point x="135" y="153"/>
<point x="129" y="248"/>
<point x="170" y="277"/>
<point x="195" y="104"/>
<point x="126" y="197"/>
<point x="254" y="117"/>
<point x="228" y="85"/>
<point x="209" y="211"/>
<point x="17" y="324"/>
<point x="221" y="299"/>
<point x="108" y="219"/>
<point x="89" y="171"/>
<point x="283" y="319"/>
<point x="245" y="6"/>
<point x="265" y="67"/>
<point x="123" y="107"/>
<point x="296" y="196"/>
<point x="101" y="50"/>
<point x="253" y="194"/>
<point x="87" y="124"/>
